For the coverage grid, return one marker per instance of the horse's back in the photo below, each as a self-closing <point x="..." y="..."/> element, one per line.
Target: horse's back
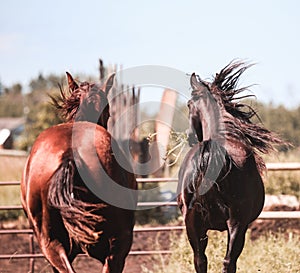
<point x="82" y="139"/>
<point x="86" y="143"/>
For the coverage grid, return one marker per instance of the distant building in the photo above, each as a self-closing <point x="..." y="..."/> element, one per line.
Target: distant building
<point x="10" y="129"/>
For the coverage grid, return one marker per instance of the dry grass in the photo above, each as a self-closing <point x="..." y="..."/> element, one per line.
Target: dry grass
<point x="283" y="182"/>
<point x="11" y="167"/>
<point x="272" y="253"/>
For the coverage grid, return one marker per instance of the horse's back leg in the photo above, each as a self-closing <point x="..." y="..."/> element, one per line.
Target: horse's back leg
<point x="236" y="240"/>
<point x="114" y="264"/>
<point x="70" y="259"/>
<point x="49" y="230"/>
<point x="55" y="253"/>
<point x="119" y="250"/>
<point x="198" y="239"/>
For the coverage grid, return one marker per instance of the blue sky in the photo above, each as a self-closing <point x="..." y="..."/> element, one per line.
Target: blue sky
<point x="201" y="36"/>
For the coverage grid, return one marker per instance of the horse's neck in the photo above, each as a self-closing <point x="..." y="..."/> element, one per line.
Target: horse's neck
<point x="212" y="126"/>
<point x="215" y="129"/>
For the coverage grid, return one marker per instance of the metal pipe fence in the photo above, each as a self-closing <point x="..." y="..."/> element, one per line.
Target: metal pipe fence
<point x="265" y="215"/>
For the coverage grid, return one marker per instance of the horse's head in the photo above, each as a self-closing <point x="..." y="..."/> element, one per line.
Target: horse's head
<point x="205" y="111"/>
<point x="85" y="102"/>
<point x="196" y="107"/>
<point x="216" y="111"/>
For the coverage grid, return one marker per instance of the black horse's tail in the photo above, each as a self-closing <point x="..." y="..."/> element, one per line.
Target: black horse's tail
<point x="79" y="217"/>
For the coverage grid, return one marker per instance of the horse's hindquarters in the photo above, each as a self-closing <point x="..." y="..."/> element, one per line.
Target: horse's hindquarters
<point x="63" y="212"/>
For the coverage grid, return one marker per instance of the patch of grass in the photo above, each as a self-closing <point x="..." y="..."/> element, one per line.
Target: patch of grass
<point x="283" y="182"/>
<point x="11" y="168"/>
<point x="290" y="156"/>
<point x="9" y="196"/>
<point x="273" y="253"/>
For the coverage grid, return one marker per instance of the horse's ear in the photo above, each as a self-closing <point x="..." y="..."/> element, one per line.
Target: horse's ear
<point x="109" y="83"/>
<point x="72" y="84"/>
<point x="196" y="84"/>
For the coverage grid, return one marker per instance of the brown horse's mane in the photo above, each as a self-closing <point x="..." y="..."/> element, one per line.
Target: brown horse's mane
<point x="69" y="101"/>
<point x="238" y="124"/>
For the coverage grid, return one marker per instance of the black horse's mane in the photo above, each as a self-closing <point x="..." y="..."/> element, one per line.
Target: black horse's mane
<point x="239" y="125"/>
<point x="225" y="86"/>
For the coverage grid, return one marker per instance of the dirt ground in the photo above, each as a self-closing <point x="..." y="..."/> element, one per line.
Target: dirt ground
<point x="19" y="244"/>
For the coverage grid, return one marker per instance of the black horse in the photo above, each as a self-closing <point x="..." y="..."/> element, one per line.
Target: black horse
<point x="220" y="182"/>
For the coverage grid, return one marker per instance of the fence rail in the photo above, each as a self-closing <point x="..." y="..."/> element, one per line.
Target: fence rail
<point x="265" y="215"/>
<point x="287" y="166"/>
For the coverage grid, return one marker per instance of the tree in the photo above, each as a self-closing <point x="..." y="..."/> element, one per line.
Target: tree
<point x="40" y="114"/>
<point x="11" y="101"/>
<point x="39" y="119"/>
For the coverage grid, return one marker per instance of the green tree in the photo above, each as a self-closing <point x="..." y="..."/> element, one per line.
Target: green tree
<point x="40" y="114"/>
<point x="39" y="118"/>
<point x="281" y="120"/>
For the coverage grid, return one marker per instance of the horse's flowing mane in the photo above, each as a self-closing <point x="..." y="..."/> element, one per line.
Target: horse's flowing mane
<point x="239" y="125"/>
<point x="69" y="101"/>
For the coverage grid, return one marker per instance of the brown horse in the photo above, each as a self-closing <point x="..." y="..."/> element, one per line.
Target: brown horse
<point x="220" y="180"/>
<point x="69" y="184"/>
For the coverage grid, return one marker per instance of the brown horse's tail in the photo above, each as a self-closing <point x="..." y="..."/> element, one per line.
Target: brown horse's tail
<point x="80" y="218"/>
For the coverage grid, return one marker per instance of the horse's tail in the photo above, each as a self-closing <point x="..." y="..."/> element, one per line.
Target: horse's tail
<point x="79" y="217"/>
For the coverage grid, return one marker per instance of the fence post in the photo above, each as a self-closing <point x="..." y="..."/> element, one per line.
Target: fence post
<point x="31" y="250"/>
